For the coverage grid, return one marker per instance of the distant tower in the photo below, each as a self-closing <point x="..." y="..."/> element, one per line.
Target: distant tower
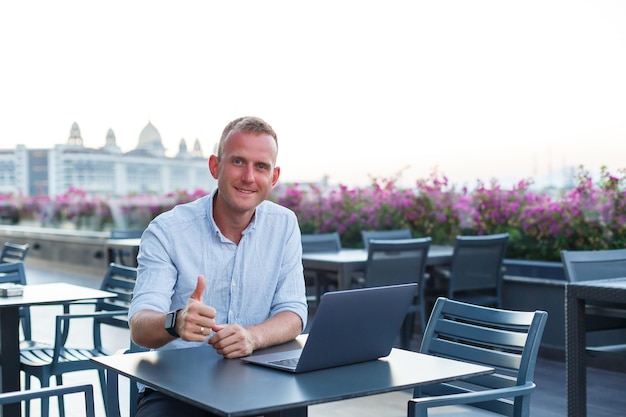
<point x="182" y="149"/>
<point x="197" y="150"/>
<point x="110" y="144"/>
<point x="75" y="137"/>
<point x="110" y="139"/>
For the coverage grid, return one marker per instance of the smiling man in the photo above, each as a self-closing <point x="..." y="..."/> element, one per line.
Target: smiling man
<point x="225" y="269"/>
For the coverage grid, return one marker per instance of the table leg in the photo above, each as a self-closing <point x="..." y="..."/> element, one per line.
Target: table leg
<point x="112" y="391"/>
<point x="575" y="356"/>
<point x="10" y="356"/>
<point x="344" y="276"/>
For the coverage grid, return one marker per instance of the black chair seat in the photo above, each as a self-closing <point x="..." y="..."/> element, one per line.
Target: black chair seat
<point x="69" y="358"/>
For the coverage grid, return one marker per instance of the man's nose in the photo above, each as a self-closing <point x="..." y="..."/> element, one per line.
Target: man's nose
<point x="248" y="173"/>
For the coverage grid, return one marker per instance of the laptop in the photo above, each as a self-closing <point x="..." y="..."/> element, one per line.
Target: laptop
<point x="349" y="326"/>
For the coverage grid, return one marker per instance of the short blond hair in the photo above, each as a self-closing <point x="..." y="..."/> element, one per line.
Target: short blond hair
<point x="246" y="124"/>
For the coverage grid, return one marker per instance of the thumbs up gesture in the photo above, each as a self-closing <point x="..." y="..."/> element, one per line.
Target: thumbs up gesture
<point x="196" y="321"/>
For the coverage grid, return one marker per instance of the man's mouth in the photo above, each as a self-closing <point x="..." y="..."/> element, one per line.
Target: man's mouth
<point x="241" y="190"/>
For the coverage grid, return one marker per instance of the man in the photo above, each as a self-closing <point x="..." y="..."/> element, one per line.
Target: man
<point x="225" y="269"/>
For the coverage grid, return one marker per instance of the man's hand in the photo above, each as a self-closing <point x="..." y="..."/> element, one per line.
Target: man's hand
<point x="235" y="341"/>
<point x="195" y="321"/>
<point x="232" y="341"/>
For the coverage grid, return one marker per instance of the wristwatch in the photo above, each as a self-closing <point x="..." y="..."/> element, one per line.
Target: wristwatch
<point x="170" y="323"/>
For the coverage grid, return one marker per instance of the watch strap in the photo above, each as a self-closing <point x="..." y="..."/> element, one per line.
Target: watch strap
<point x="170" y="323"/>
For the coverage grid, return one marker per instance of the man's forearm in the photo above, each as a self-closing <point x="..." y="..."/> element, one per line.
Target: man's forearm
<point x="147" y="329"/>
<point x="278" y="329"/>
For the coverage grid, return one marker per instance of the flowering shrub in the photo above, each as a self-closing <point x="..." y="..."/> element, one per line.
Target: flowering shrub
<point x="140" y="209"/>
<point x="590" y="216"/>
<point x="74" y="206"/>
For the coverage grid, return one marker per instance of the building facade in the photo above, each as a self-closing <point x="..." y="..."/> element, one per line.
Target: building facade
<point x="106" y="171"/>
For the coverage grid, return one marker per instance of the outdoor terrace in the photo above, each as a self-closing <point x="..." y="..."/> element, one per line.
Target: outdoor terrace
<point x="604" y="387"/>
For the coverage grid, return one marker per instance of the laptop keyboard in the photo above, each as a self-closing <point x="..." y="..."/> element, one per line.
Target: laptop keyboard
<point x="290" y="362"/>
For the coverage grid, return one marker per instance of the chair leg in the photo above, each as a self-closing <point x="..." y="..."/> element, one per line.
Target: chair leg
<point x="61" y="399"/>
<point x="27" y="387"/>
<point x="414" y="412"/>
<point x="112" y="404"/>
<point x="320" y="287"/>
<point x="406" y="333"/>
<point x="103" y="386"/>
<point x="423" y="317"/>
<point x="45" y="402"/>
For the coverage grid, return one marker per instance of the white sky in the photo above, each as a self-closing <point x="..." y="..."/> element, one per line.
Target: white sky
<point x="479" y="89"/>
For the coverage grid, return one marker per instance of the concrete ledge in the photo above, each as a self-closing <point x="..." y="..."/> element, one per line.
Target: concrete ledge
<point x="84" y="249"/>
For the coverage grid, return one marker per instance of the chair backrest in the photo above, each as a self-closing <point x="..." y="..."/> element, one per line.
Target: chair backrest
<point x="398" y="261"/>
<point x="476" y="269"/>
<point x="60" y="391"/>
<point x="321" y="242"/>
<point x="119" y="279"/>
<point x="13" y="252"/>
<point x="368" y="235"/>
<point x="600" y="316"/>
<point x="503" y="339"/>
<point x="14" y="273"/>
<point x="590" y="265"/>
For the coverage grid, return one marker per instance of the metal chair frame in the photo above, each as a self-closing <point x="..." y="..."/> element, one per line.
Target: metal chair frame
<point x="368" y="235"/>
<point x="43" y="363"/>
<point x="476" y="269"/>
<point x="400" y="261"/>
<point x="320" y="243"/>
<point x="503" y="339"/>
<point x="14" y="252"/>
<point x="44" y="394"/>
<point x="605" y="322"/>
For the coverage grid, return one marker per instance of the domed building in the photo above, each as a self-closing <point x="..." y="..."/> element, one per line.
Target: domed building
<point x="150" y="141"/>
<point x="105" y="171"/>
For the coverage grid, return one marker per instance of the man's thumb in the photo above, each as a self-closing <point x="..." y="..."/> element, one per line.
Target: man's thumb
<point x="197" y="293"/>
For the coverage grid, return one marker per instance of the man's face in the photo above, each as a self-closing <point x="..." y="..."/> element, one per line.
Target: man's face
<point x="245" y="172"/>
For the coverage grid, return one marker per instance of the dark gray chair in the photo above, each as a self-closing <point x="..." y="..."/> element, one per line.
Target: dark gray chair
<point x="14" y="273"/>
<point x="44" y="394"/>
<point x="605" y="322"/>
<point x="13" y="252"/>
<point x="113" y="399"/>
<point x="503" y="339"/>
<point x="476" y="271"/>
<point x="320" y="281"/>
<point x="585" y="265"/>
<point x="400" y="261"/>
<point x="321" y="242"/>
<point x="122" y="256"/>
<point x="368" y="235"/>
<point x="43" y="363"/>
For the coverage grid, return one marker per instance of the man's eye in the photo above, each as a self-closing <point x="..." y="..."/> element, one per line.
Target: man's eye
<point x="237" y="161"/>
<point x="262" y="166"/>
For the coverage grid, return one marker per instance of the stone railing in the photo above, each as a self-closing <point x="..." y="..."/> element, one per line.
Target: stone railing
<point x="81" y="248"/>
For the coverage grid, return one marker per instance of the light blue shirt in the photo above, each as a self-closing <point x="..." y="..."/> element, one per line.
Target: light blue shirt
<point x="246" y="283"/>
